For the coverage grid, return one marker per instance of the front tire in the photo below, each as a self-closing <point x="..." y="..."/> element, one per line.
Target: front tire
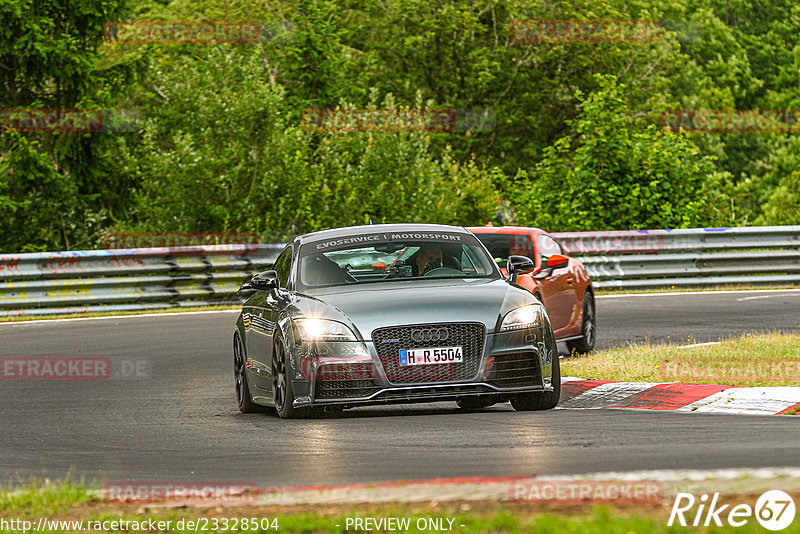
<point x="541" y="400"/>
<point x="585" y="344"/>
<point x="282" y="387"/>
<point x="246" y="404"/>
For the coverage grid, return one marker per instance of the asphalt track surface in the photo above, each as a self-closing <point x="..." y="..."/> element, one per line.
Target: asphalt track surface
<point x="180" y="423"/>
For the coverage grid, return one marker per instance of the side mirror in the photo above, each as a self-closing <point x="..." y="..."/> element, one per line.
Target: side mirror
<point x="556" y="261"/>
<point x="266" y="281"/>
<point x="550" y="264"/>
<point x="519" y="265"/>
<point x="247" y="287"/>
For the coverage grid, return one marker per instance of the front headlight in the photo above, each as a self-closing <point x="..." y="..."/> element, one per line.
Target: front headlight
<point x="324" y="329"/>
<point x="521" y="318"/>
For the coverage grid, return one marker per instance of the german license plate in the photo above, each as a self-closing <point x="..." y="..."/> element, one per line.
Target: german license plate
<point x="429" y="356"/>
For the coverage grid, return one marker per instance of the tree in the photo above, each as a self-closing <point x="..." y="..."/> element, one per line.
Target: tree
<point x="223" y="151"/>
<point x="782" y="203"/>
<point x="54" y="183"/>
<point x="614" y="174"/>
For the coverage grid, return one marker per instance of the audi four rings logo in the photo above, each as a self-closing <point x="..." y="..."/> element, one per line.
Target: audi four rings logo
<point x="429" y="334"/>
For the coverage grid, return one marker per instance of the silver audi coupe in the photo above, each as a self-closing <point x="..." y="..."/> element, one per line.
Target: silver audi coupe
<point x="391" y="313"/>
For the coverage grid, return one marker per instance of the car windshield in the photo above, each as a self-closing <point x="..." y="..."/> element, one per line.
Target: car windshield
<point x="390" y="257"/>
<point x="501" y="246"/>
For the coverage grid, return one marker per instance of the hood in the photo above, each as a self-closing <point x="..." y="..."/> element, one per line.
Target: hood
<point x="372" y="306"/>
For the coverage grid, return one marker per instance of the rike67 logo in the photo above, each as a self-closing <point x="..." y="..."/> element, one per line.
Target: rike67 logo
<point x="774" y="510"/>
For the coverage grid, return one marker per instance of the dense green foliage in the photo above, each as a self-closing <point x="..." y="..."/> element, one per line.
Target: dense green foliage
<point x="575" y="141"/>
<point x="614" y="177"/>
<point x="230" y="145"/>
<point x="55" y="189"/>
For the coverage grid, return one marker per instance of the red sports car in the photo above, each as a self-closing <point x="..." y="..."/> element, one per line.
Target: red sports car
<point x="561" y="283"/>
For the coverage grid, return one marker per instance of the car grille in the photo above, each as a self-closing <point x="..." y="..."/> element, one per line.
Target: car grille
<point x="344" y="389"/>
<point x="513" y="370"/>
<point x="345" y="380"/>
<point x="388" y="342"/>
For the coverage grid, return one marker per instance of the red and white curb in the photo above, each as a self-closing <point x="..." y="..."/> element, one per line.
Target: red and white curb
<point x="520" y="488"/>
<point x="706" y="398"/>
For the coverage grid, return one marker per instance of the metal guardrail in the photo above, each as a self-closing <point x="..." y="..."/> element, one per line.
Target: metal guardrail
<point x="128" y="279"/>
<point x="150" y="278"/>
<point x="640" y="259"/>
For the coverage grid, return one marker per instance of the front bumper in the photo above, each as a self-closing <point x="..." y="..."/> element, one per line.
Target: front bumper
<point x="351" y="373"/>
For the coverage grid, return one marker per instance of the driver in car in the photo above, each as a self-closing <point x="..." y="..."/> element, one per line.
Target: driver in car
<point x="428" y="257"/>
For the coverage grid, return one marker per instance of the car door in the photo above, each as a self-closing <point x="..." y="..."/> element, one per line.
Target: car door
<point x="263" y="320"/>
<point x="557" y="290"/>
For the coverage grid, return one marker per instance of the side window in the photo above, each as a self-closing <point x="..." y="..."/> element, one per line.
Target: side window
<point x="520" y="245"/>
<point x="283" y="266"/>
<point x="501" y="246"/>
<point x="548" y="246"/>
<point x="470" y="263"/>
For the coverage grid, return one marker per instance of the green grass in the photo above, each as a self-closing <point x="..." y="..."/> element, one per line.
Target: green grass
<point x="69" y="501"/>
<point x="42" y="498"/>
<point x="752" y="360"/>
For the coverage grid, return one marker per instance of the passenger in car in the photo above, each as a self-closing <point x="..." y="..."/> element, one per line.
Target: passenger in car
<point x="323" y="271"/>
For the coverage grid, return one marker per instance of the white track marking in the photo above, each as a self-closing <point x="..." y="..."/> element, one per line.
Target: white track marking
<point x="107" y="317"/>
<point x="700" y="344"/>
<point x="675" y="293"/>
<point x="734" y="400"/>
<point x="570" y="379"/>
<point x="606" y="395"/>
<point x="768" y="296"/>
<point x="748" y="400"/>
